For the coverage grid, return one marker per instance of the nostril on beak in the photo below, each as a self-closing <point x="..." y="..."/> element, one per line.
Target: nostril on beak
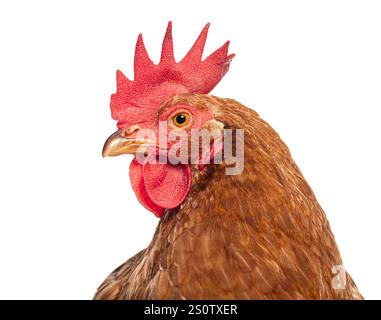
<point x="130" y="130"/>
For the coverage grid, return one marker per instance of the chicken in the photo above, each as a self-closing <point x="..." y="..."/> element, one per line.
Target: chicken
<point x="258" y="234"/>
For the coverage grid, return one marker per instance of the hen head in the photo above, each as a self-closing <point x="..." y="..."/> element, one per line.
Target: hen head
<point x="157" y="115"/>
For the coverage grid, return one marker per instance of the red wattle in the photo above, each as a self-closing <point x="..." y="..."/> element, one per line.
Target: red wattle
<point x="160" y="186"/>
<point x="137" y="182"/>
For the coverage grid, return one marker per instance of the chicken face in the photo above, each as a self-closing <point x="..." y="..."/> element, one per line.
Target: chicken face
<point x="160" y="130"/>
<point x="181" y="137"/>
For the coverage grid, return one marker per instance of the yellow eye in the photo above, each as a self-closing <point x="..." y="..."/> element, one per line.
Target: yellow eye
<point x="181" y="119"/>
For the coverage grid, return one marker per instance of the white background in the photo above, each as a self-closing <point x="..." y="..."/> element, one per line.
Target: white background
<point x="312" y="69"/>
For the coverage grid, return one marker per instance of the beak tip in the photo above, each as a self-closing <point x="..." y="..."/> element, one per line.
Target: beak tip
<point x="108" y="146"/>
<point x="104" y="153"/>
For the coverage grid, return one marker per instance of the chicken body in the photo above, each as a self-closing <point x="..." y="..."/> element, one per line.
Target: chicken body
<point x="257" y="235"/>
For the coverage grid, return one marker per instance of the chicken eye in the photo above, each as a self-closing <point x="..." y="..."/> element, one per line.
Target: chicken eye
<point x="181" y="119"/>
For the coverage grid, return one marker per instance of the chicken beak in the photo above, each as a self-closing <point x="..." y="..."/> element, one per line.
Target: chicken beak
<point x="118" y="144"/>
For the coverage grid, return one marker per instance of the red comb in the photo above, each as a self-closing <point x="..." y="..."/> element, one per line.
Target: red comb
<point x="153" y="84"/>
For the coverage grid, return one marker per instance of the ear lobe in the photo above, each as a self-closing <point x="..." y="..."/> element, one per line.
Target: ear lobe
<point x="214" y="124"/>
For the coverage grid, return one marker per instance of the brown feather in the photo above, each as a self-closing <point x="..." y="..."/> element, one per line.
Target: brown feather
<point x="258" y="235"/>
